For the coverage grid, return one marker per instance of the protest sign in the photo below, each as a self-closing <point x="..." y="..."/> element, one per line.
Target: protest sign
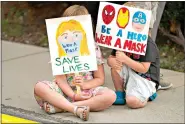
<point x="123" y="28"/>
<point x="71" y="44"/>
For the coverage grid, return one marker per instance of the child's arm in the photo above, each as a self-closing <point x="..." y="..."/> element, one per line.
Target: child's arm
<point x="98" y="79"/>
<point x="62" y="83"/>
<point x="151" y="54"/>
<point x="141" y="67"/>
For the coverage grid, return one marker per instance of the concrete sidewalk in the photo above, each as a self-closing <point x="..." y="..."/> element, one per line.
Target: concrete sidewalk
<point x="23" y="65"/>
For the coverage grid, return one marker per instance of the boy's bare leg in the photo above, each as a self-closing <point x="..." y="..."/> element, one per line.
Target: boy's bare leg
<point x="118" y="82"/>
<point x="134" y="102"/>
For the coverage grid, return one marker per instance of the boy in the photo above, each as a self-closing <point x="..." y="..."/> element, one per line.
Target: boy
<point x="138" y="78"/>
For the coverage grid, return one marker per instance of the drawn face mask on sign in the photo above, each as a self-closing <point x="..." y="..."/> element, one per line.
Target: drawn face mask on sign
<point x="139" y="21"/>
<point x="123" y="17"/>
<point x="108" y="14"/>
<point x="70" y="42"/>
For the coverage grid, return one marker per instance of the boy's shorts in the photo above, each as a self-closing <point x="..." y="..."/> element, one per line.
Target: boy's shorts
<point x="136" y="85"/>
<point x="55" y="87"/>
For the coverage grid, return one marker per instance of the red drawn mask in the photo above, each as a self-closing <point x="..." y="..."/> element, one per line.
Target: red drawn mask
<point x="108" y="14"/>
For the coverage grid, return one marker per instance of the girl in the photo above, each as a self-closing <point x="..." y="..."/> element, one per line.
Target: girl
<point x="59" y="95"/>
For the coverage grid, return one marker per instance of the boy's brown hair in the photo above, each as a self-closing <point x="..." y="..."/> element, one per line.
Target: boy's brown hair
<point x="134" y="4"/>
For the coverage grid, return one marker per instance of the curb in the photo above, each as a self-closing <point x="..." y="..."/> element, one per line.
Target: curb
<point x="31" y="115"/>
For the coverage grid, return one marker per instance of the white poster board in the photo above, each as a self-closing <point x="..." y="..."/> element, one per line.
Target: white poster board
<point x="123" y="28"/>
<point x="71" y="44"/>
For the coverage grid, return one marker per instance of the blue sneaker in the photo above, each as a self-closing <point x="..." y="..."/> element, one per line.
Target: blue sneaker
<point x="151" y="98"/>
<point x="120" y="98"/>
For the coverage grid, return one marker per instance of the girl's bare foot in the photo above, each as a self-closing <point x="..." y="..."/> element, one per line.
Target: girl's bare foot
<point x="51" y="109"/>
<point x="82" y="112"/>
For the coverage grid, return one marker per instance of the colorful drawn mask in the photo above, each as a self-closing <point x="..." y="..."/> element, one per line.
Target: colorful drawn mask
<point x="108" y="14"/>
<point x="70" y="42"/>
<point x="139" y="21"/>
<point x="123" y="17"/>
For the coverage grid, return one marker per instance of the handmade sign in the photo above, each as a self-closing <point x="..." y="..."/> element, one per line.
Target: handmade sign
<point x="123" y="28"/>
<point x="71" y="44"/>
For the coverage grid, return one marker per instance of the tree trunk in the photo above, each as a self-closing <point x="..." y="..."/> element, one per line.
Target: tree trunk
<point x="160" y="10"/>
<point x="179" y="38"/>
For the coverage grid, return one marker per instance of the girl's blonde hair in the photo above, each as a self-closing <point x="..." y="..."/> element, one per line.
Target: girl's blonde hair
<point x="73" y="25"/>
<point x="75" y="10"/>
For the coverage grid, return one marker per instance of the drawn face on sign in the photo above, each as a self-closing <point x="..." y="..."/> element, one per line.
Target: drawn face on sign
<point x="70" y="42"/>
<point x="108" y="14"/>
<point x="123" y="17"/>
<point x="71" y="39"/>
<point x="138" y="21"/>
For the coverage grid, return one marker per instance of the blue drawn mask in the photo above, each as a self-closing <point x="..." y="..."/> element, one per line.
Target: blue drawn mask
<point x="71" y="48"/>
<point x="70" y="42"/>
<point x="139" y="17"/>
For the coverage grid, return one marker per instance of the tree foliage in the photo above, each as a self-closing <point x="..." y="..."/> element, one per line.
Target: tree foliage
<point x="173" y="11"/>
<point x="173" y="22"/>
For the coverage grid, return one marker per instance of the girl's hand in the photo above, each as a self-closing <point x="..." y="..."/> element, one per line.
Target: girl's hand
<point x="79" y="81"/>
<point x="55" y="80"/>
<point x="86" y="94"/>
<point x="83" y="96"/>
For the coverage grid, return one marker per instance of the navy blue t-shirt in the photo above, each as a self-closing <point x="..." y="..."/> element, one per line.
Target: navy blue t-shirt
<point x="152" y="55"/>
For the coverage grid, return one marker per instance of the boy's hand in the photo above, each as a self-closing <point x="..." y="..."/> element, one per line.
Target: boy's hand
<point x="118" y="65"/>
<point x="120" y="56"/>
<point x="114" y="63"/>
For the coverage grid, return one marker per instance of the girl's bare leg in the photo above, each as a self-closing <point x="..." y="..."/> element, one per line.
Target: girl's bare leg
<point x="101" y="101"/>
<point x="54" y="98"/>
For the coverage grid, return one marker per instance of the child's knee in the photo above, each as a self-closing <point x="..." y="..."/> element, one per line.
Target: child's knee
<point x="134" y="102"/>
<point x="131" y="101"/>
<point x="38" y="86"/>
<point x="110" y="95"/>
